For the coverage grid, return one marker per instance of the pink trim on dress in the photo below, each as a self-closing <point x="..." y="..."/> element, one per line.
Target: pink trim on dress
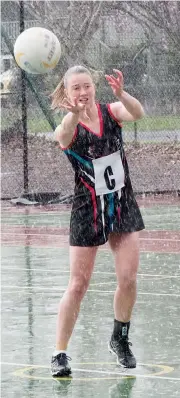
<point x="112" y="115"/>
<point x="100" y="122"/>
<point x="119" y="213"/>
<point x="73" y="139"/>
<point x="93" y="195"/>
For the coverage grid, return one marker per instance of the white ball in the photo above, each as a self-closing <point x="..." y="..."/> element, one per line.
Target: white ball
<point x="37" y="50"/>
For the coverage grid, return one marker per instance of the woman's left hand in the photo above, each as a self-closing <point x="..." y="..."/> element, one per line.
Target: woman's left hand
<point x="116" y="83"/>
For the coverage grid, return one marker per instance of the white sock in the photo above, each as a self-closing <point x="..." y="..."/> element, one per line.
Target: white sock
<point x="56" y="352"/>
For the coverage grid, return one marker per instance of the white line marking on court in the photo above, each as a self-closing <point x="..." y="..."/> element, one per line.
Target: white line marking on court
<point x="4" y="173"/>
<point x="65" y="245"/>
<point x="25" y="234"/>
<point x="150" y="220"/>
<point x="161" y="216"/>
<point x="174" y="211"/>
<point x="35" y="214"/>
<point x="96" y="291"/>
<point x="95" y="272"/>
<point x="22" y="364"/>
<point x="139" y="293"/>
<point x="161" y="239"/>
<point x="60" y="289"/>
<point x="115" y="282"/>
<point x="99" y="371"/>
<point x="125" y="374"/>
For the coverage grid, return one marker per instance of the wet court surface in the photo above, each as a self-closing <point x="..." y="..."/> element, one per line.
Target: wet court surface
<point x="34" y="275"/>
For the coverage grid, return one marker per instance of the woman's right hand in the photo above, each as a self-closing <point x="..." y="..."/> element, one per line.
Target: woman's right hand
<point x="75" y="107"/>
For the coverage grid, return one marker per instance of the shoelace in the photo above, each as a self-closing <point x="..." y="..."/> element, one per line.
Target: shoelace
<point x="126" y="343"/>
<point x="63" y="355"/>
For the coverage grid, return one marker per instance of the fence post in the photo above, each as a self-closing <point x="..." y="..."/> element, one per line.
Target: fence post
<point x="135" y="134"/>
<point x="24" y="109"/>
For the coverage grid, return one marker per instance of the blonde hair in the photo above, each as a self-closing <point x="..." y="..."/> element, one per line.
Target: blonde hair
<point x="58" y="94"/>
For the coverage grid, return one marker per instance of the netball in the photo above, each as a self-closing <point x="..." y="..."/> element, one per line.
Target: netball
<point x="37" y="50"/>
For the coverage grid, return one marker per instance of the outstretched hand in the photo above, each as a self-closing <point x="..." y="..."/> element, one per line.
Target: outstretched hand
<point x="116" y="83"/>
<point x="75" y="107"/>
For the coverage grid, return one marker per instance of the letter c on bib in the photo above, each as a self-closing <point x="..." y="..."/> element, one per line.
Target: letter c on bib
<point x="108" y="176"/>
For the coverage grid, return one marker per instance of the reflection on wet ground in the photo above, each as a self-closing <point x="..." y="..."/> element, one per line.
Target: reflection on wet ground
<point x="34" y="277"/>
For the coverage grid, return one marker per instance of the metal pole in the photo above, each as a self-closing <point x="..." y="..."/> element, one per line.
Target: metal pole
<point x="135" y="133"/>
<point x="24" y="109"/>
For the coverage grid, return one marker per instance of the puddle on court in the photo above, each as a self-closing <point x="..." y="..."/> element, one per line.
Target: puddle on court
<point x="89" y="371"/>
<point x="33" y="280"/>
<point x="36" y="381"/>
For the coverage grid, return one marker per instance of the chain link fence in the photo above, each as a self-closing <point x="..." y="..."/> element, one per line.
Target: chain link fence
<point x="152" y="144"/>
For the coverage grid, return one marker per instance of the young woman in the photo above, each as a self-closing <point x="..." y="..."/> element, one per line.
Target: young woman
<point x="104" y="207"/>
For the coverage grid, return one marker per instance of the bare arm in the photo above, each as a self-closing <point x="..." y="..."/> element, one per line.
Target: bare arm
<point x="127" y="108"/>
<point x="65" y="131"/>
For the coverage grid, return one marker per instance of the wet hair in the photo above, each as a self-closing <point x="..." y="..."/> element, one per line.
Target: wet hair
<point x="58" y="94"/>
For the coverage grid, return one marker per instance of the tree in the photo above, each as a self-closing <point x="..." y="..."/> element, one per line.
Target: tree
<point x="155" y="16"/>
<point x="161" y="24"/>
<point x="73" y="22"/>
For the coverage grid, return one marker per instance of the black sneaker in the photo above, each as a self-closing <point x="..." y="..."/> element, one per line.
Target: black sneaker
<point x="60" y="365"/>
<point x="122" y="351"/>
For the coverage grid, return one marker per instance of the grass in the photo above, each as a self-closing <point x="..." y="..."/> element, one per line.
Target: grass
<point x="38" y="125"/>
<point x="37" y="122"/>
<point x="155" y="123"/>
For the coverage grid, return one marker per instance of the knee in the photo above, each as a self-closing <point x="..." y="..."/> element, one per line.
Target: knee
<point x="127" y="281"/>
<point x="78" y="287"/>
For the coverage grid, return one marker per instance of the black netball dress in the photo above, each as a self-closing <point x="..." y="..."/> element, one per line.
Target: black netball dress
<point x="103" y="201"/>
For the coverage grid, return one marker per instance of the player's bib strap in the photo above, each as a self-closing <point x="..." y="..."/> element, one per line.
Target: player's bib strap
<point x="109" y="173"/>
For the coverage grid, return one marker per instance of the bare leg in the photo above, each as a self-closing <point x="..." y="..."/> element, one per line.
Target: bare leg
<point x="126" y="251"/>
<point x="81" y="266"/>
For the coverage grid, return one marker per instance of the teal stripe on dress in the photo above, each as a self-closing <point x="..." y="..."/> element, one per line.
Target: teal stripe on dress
<point x="111" y="207"/>
<point x="81" y="160"/>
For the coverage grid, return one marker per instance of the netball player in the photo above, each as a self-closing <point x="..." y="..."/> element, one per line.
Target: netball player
<point x="104" y="207"/>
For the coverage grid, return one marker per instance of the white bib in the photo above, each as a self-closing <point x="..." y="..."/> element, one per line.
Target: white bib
<point x="109" y="173"/>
